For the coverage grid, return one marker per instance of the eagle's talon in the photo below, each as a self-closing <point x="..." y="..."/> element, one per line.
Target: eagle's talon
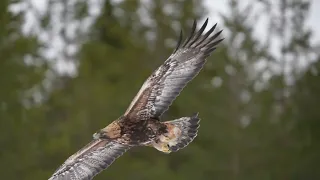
<point x="166" y="148"/>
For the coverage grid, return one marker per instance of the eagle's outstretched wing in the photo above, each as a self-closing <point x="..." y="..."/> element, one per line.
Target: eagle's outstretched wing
<point x="166" y="83"/>
<point x="90" y="160"/>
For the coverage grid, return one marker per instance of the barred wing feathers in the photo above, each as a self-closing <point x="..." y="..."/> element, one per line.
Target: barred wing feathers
<point x="90" y="160"/>
<point x="166" y="83"/>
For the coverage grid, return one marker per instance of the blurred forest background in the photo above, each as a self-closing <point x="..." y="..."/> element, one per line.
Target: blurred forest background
<point x="259" y="109"/>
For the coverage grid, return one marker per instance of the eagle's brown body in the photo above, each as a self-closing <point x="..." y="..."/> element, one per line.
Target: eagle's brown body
<point x="141" y="123"/>
<point x="133" y="132"/>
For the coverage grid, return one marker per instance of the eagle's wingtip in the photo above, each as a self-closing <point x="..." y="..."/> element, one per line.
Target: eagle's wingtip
<point x="195" y="115"/>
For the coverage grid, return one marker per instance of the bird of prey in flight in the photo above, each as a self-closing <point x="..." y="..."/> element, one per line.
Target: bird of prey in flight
<point x="140" y="125"/>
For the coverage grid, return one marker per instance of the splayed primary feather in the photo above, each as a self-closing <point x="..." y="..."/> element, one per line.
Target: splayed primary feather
<point x="166" y="83"/>
<point x="90" y="160"/>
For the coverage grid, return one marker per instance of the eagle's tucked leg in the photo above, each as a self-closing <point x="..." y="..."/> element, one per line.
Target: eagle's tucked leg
<point x="180" y="133"/>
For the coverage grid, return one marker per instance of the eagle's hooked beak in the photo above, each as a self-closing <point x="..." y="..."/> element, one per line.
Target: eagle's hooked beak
<point x="99" y="135"/>
<point x="96" y="136"/>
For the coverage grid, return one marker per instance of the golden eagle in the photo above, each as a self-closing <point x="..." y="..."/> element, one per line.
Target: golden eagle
<point x="140" y="125"/>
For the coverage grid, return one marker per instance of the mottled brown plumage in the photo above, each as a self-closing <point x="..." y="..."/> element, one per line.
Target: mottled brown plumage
<point x="132" y="132"/>
<point x="140" y="125"/>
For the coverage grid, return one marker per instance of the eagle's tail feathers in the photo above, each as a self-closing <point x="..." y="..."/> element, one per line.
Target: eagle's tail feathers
<point x="185" y="130"/>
